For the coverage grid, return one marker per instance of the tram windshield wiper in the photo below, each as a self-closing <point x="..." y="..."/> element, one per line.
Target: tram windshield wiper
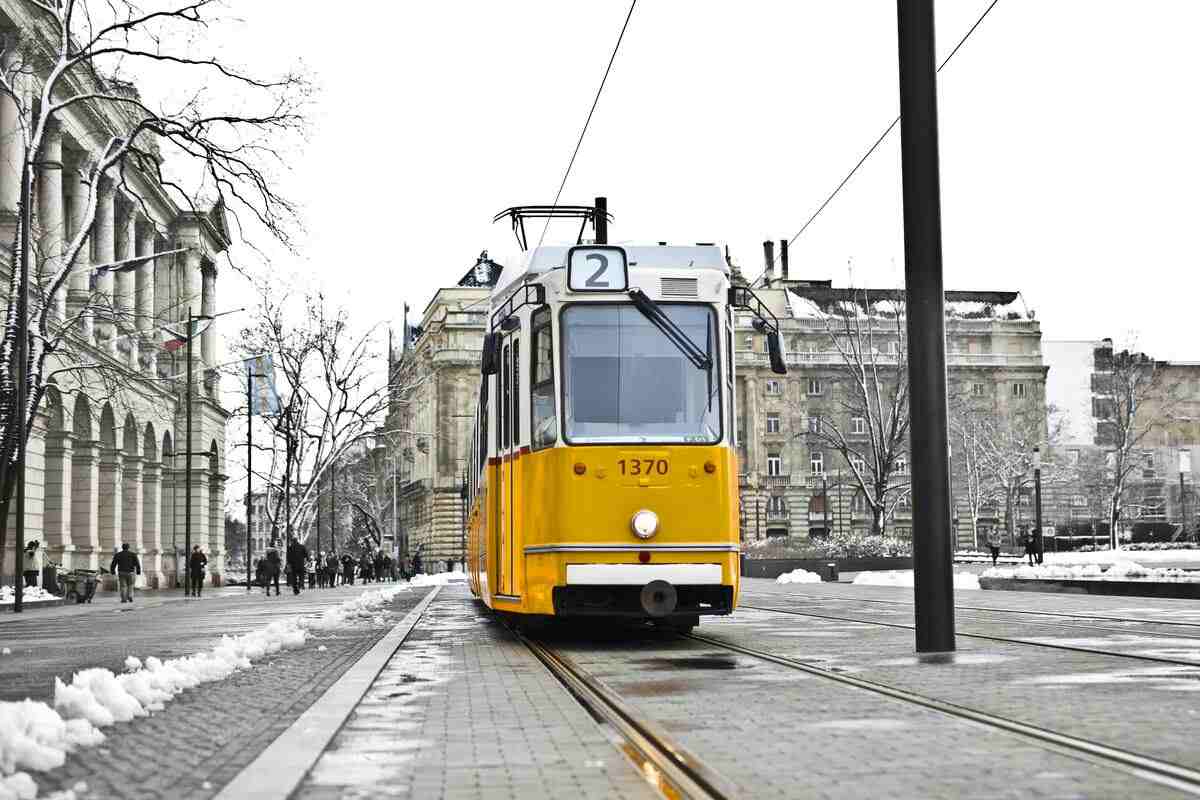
<point x="651" y="311"/>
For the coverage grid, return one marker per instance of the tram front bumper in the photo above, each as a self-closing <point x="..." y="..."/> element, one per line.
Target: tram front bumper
<point x="659" y="591"/>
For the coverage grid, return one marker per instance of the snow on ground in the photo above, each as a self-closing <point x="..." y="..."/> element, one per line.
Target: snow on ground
<point x="1113" y="571"/>
<point x="30" y="595"/>
<point x="904" y="577"/>
<point x="37" y="737"/>
<point x="438" y="579"/>
<point x="799" y="576"/>
<point x="1140" y="556"/>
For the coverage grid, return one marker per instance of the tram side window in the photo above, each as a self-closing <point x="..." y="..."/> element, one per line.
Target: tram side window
<point x="516" y="395"/>
<point x="544" y="424"/>
<point x="506" y="398"/>
<point x="483" y="424"/>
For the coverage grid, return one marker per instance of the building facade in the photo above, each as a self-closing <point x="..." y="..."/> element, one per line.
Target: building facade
<point x="434" y="387"/>
<point x="106" y="463"/>
<point x="793" y="483"/>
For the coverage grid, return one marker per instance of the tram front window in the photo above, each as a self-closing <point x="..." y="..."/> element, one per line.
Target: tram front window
<point x="625" y="381"/>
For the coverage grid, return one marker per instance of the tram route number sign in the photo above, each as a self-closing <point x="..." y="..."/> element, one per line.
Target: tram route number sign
<point x="597" y="268"/>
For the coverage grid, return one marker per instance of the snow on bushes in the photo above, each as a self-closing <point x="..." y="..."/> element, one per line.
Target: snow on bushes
<point x="1116" y="571"/>
<point x="34" y="736"/>
<point x="904" y="578"/>
<point x="799" y="576"/>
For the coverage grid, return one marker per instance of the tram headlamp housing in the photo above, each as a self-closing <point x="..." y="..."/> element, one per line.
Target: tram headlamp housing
<point x="644" y="524"/>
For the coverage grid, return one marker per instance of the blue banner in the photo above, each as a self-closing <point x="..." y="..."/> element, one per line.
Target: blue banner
<point x="264" y="400"/>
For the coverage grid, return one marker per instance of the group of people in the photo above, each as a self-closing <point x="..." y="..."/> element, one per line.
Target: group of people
<point x="1030" y="540"/>
<point x="327" y="569"/>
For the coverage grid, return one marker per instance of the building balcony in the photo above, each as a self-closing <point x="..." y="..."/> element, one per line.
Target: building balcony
<point x="779" y="516"/>
<point x="776" y="481"/>
<point x="450" y="356"/>
<point x="743" y="479"/>
<point x="954" y="359"/>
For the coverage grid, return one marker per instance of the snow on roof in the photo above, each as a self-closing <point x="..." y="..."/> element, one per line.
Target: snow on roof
<point x="549" y="257"/>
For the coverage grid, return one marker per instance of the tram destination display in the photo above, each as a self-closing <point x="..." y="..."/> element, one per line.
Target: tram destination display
<point x="596" y="268"/>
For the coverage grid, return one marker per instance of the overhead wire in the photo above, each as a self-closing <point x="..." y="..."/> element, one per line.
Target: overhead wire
<point x="879" y="140"/>
<point x="588" y="121"/>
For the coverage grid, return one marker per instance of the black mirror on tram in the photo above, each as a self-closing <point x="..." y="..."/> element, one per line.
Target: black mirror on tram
<point x="491" y="354"/>
<point x="775" y="352"/>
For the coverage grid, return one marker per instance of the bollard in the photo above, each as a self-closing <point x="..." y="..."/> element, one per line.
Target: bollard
<point x="831" y="572"/>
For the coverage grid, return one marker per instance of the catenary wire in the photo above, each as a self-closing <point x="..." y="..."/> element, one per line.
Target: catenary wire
<point x="879" y="141"/>
<point x="588" y="121"/>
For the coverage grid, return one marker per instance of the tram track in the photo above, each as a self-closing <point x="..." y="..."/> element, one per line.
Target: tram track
<point x="1165" y="773"/>
<point x="988" y="637"/>
<point x="665" y="764"/>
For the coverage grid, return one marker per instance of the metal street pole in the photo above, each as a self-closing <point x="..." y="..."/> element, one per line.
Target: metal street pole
<point x="187" y="459"/>
<point x="926" y="326"/>
<point x="249" y="459"/>
<point x="825" y="500"/>
<point x="600" y="222"/>
<point x="1037" y="502"/>
<point x="22" y="371"/>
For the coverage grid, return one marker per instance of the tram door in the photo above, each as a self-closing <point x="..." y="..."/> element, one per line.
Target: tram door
<point x="510" y="434"/>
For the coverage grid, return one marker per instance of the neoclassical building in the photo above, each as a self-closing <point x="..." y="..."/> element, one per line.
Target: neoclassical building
<point x="106" y="463"/>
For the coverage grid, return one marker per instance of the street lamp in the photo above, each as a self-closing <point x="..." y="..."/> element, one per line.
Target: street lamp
<point x="1037" y="501"/>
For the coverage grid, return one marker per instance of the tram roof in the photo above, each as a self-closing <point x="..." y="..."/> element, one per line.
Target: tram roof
<point x="550" y="257"/>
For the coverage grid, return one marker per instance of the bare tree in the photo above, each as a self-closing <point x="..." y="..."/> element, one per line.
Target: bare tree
<point x="1136" y="398"/>
<point x="866" y="421"/>
<point x="331" y="400"/>
<point x="72" y="59"/>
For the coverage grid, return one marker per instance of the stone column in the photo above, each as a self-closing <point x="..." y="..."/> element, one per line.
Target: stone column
<point x="144" y="300"/>
<point x="78" y="289"/>
<point x="151" y="520"/>
<point x="85" y="481"/>
<point x="216" y="527"/>
<point x="58" y="497"/>
<point x="108" y="514"/>
<point x="127" y="241"/>
<point x="193" y="299"/>
<point x="51" y="219"/>
<point x="104" y="252"/>
<point x="131" y="509"/>
<point x="168" y="534"/>
<point x="208" y="339"/>
<point x="200" y="485"/>
<point x="12" y="152"/>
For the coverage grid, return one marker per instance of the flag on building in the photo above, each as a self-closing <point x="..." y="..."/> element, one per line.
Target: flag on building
<point x="174" y="341"/>
<point x="264" y="400"/>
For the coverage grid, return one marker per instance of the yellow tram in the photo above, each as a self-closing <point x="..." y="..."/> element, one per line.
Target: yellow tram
<point x="603" y="480"/>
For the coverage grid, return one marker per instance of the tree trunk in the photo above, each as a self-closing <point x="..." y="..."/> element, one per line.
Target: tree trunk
<point x="877" y="523"/>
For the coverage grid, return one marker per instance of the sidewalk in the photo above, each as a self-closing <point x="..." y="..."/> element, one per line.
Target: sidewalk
<point x="206" y="735"/>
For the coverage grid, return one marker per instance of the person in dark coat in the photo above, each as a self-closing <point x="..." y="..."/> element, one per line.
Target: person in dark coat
<point x="297" y="554"/>
<point x="196" y="562"/>
<point x="331" y="569"/>
<point x="416" y="563"/>
<point x="274" y="564"/>
<point x="260" y="572"/>
<point x="364" y="567"/>
<point x="127" y="566"/>
<point x="1030" y="546"/>
<point x="347" y="569"/>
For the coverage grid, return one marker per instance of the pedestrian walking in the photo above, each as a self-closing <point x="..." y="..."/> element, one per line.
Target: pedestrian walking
<point x="364" y="567"/>
<point x="260" y="572"/>
<point x="347" y="569"/>
<point x="274" y="564"/>
<point x="297" y="554"/>
<point x="416" y="563"/>
<point x="196" y="562"/>
<point x="34" y="561"/>
<point x="1039" y="545"/>
<point x="126" y="565"/>
<point x="993" y="542"/>
<point x="310" y="572"/>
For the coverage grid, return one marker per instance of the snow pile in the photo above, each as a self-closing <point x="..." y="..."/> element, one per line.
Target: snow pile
<point x="32" y="594"/>
<point x="904" y="578"/>
<point x="34" y="736"/>
<point x="1115" y="571"/>
<point x="439" y="579"/>
<point x="799" y="576"/>
<point x="1112" y="556"/>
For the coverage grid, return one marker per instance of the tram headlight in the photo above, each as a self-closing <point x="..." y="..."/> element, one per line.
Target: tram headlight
<point x="644" y="524"/>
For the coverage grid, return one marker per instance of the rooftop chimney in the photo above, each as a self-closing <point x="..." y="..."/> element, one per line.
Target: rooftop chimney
<point x="783" y="259"/>
<point x="769" y="258"/>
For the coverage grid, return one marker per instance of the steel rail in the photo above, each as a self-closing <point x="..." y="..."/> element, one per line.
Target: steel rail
<point x="666" y="765"/>
<point x="1184" y="779"/>
<point x="988" y="637"/>
<point x="1063" y="614"/>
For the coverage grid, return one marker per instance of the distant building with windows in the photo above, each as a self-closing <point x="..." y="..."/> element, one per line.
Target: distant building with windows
<point x="790" y="484"/>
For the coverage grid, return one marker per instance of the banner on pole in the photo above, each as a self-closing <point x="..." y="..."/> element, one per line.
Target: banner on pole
<point x="264" y="400"/>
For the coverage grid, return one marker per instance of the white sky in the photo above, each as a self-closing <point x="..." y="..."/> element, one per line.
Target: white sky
<point x="1069" y="163"/>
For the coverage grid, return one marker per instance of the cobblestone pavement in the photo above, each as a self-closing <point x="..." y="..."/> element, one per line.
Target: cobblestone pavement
<point x="463" y="710"/>
<point x="208" y="734"/>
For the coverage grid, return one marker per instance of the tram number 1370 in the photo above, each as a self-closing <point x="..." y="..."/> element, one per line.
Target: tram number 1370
<point x="643" y="466"/>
